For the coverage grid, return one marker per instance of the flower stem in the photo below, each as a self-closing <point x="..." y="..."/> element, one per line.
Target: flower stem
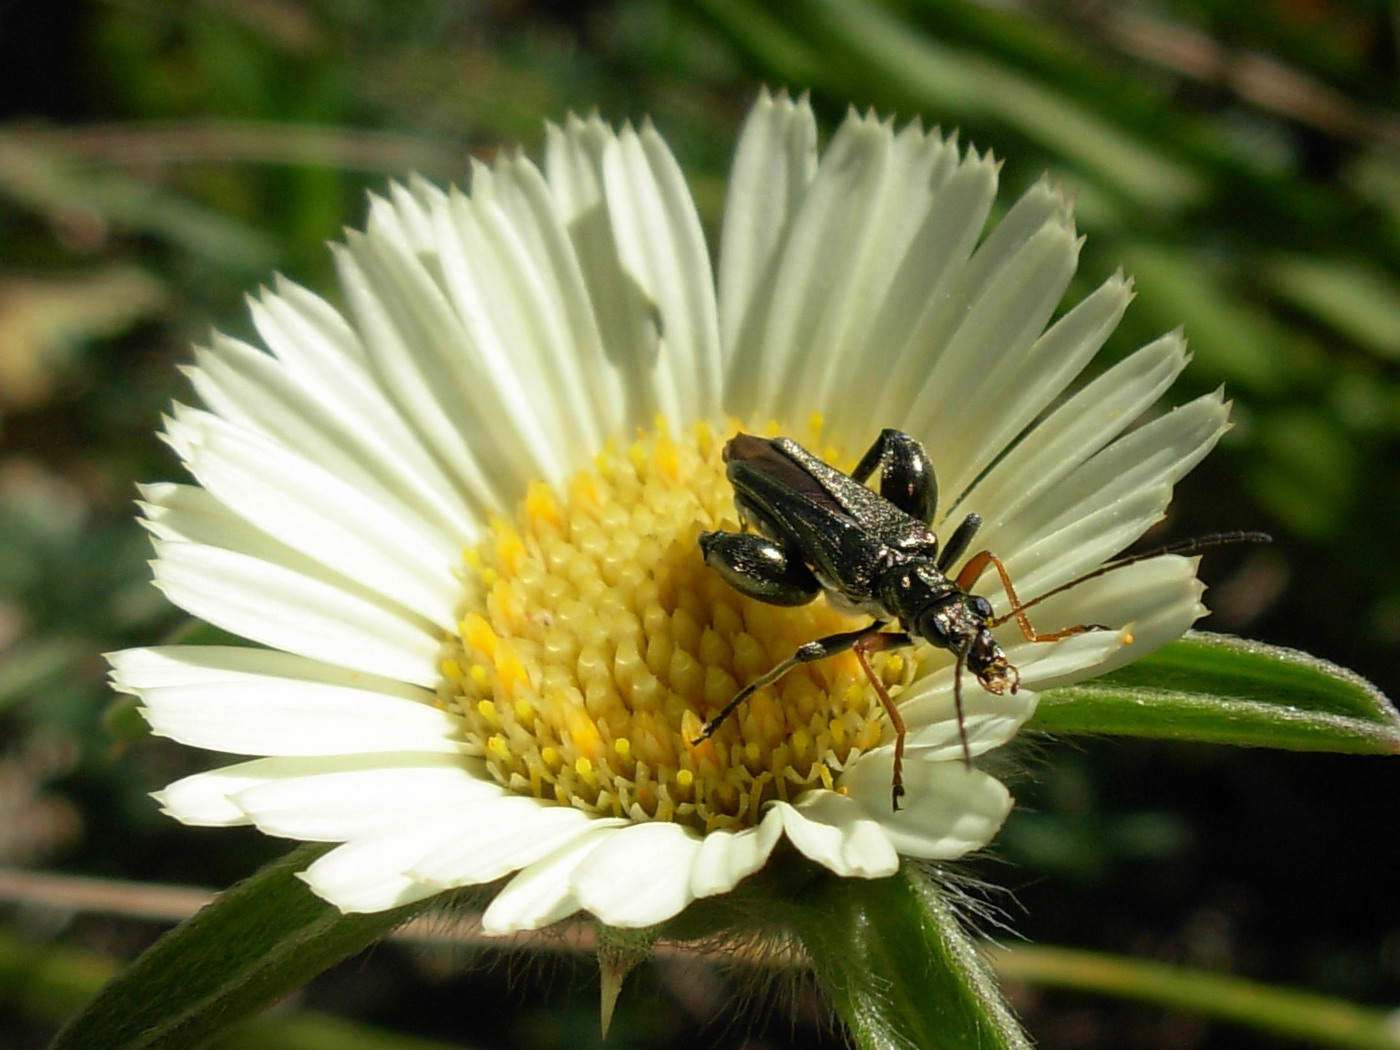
<point x="899" y="968"/>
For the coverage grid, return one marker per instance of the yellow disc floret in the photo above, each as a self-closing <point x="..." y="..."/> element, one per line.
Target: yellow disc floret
<point x="599" y="642"/>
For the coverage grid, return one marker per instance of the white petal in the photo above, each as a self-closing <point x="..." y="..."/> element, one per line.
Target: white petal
<point x="338" y="799"/>
<point x="417" y="354"/>
<point x="323" y="353"/>
<point x="773" y="164"/>
<point x="907" y="379"/>
<point x="313" y="339"/>
<point x="407" y="219"/>
<point x="994" y="333"/>
<point x="542" y="893"/>
<point x="1040" y="206"/>
<point x="1044" y="666"/>
<point x="789" y="327"/>
<point x="500" y="836"/>
<point x="267" y="715"/>
<point x="520" y="403"/>
<point x="574" y="162"/>
<point x="662" y="250"/>
<point x="367" y="874"/>
<point x="522" y="332"/>
<point x="198" y="665"/>
<point x="207" y="798"/>
<point x="990" y="720"/>
<point x="1153" y="602"/>
<point x="1112" y="499"/>
<point x="189" y="514"/>
<point x="1084" y="424"/>
<point x="1018" y="383"/>
<point x="727" y="857"/>
<point x="908" y="332"/>
<point x="840" y="834"/>
<point x="866" y="289"/>
<point x="289" y="610"/>
<point x="352" y="433"/>
<point x="203" y="800"/>
<point x="639" y="876"/>
<point x="948" y="809"/>
<point x="334" y="523"/>
<point x="575" y="376"/>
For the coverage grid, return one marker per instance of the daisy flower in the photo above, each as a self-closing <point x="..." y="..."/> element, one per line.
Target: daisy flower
<point x="458" y="514"/>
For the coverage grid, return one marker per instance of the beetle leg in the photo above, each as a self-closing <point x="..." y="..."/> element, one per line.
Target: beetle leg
<point x="973" y="569"/>
<point x="867" y="640"/>
<point x="759" y="568"/>
<point x="874" y="642"/>
<point x="906" y="473"/>
<point x="805" y="654"/>
<point x="958" y="541"/>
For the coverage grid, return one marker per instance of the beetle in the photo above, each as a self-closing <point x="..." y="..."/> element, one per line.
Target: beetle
<point x="875" y="553"/>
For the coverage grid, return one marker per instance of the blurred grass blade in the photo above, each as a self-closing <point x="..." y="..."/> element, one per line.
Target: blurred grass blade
<point x="1230" y="338"/>
<point x="1307" y="470"/>
<point x="56" y="979"/>
<point x="1355" y="297"/>
<point x="253" y="945"/>
<point x="1225" y="690"/>
<point x="900" y="969"/>
<point x="1285" y="1011"/>
<point x="46" y="183"/>
<point x="867" y="46"/>
<point x="788" y="58"/>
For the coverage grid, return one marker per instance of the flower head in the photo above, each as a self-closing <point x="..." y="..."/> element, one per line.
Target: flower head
<point x="460" y="517"/>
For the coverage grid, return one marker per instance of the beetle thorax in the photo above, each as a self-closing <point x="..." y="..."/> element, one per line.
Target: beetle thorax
<point x="906" y="586"/>
<point x="931" y="606"/>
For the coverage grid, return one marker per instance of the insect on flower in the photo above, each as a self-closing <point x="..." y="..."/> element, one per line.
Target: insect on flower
<point x="481" y="639"/>
<point x="876" y="554"/>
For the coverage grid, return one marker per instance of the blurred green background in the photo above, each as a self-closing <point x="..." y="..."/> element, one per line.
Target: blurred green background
<point x="158" y="158"/>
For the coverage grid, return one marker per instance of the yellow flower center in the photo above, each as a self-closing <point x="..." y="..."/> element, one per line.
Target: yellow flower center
<point x="600" y="643"/>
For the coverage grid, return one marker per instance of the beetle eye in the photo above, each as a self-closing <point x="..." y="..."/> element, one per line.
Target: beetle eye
<point x="981" y="608"/>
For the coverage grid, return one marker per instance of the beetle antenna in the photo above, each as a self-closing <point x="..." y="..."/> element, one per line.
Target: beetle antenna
<point x="958" y="701"/>
<point x="1192" y="546"/>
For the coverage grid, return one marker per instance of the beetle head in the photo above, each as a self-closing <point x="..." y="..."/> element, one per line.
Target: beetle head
<point x="962" y="624"/>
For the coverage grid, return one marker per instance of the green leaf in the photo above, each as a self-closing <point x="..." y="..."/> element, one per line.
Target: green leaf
<point x="898" y="966"/>
<point x="1224" y="690"/>
<point x="255" y="943"/>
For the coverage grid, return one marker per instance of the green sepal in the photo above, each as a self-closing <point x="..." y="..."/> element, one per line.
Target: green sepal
<point x="1224" y="690"/>
<point x="898" y="966"/>
<point x="619" y="952"/>
<point x="253" y="944"/>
